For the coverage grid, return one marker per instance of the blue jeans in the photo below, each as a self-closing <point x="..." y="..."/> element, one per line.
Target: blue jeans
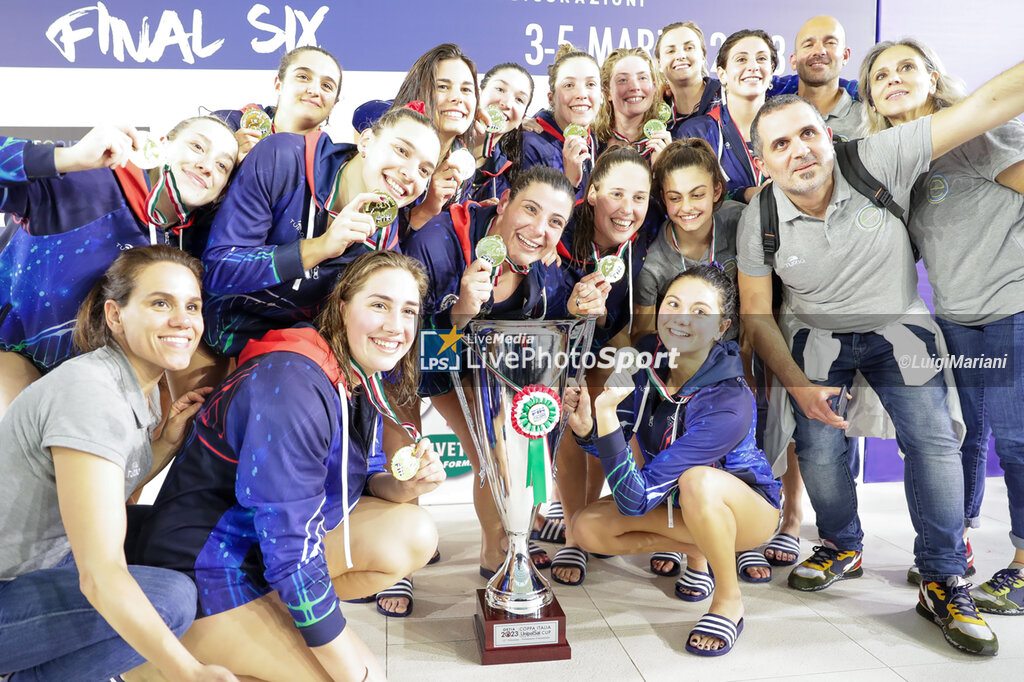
<point x="992" y="400"/>
<point x="49" y="631"/>
<point x="924" y="430"/>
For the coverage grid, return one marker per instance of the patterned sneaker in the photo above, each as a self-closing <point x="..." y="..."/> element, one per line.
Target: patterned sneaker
<point x="1002" y="594"/>
<point x="824" y="567"/>
<point x="950" y="606"/>
<point x="914" y="573"/>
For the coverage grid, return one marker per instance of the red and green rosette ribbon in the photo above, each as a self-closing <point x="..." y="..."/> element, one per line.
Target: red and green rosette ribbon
<point x="536" y="411"/>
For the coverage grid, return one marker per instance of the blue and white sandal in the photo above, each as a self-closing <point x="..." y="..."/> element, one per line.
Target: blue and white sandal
<point x="703" y="584"/>
<point x="403" y="588"/>
<point x="783" y="543"/>
<point x="752" y="559"/>
<point x="570" y="557"/>
<point x="675" y="558"/>
<point x="713" y="625"/>
<point x="552" y="531"/>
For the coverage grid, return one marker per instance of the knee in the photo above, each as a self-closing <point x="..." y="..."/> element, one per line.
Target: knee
<point x="698" y="488"/>
<point x="589" y="528"/>
<point x="171" y="593"/>
<point x="419" y="535"/>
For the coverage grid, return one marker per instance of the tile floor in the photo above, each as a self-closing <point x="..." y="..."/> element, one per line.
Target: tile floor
<point x="624" y="624"/>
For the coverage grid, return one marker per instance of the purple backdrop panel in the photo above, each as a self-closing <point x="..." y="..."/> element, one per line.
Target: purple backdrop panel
<point x="882" y="461"/>
<point x="386" y="35"/>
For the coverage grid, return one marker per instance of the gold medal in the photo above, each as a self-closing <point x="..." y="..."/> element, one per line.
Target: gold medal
<point x="491" y="249"/>
<point x="664" y="112"/>
<point x="405" y="463"/>
<point x="149" y="155"/>
<point x="384" y="211"/>
<point x="255" y="119"/>
<point x="574" y="130"/>
<point x="612" y="268"/>
<point x="495" y="119"/>
<point x="654" y="126"/>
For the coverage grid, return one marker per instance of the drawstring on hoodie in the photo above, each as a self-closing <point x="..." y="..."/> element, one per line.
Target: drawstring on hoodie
<point x="345" y="534"/>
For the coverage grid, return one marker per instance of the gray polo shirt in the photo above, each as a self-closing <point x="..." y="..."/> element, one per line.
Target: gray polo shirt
<point x="854" y="270"/>
<point x="664" y="262"/>
<point x="92" y="403"/>
<point x="970" y="229"/>
<point x="847" y="119"/>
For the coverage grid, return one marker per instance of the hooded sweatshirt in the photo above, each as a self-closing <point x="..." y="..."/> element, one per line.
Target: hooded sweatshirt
<point x="714" y="425"/>
<point x="262" y="477"/>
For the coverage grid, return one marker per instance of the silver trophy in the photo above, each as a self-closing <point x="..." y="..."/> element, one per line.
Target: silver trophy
<point x="516" y="373"/>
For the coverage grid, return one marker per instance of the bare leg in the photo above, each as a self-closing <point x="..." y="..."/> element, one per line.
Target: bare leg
<point x="259" y="640"/>
<point x="721" y="515"/>
<point x="16" y="373"/>
<point x="792" y="505"/>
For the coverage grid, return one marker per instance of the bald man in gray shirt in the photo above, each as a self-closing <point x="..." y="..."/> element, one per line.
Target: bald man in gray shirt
<point x="849" y="287"/>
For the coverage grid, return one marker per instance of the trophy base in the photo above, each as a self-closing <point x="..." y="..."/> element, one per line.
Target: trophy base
<point x="508" y="638"/>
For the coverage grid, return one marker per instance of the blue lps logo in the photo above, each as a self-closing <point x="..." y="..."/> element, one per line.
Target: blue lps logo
<point x="440" y="352"/>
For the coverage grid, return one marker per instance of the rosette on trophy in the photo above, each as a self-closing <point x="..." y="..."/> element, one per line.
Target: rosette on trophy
<point x="535" y="413"/>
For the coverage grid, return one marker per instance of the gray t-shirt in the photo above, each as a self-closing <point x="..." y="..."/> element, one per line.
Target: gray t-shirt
<point x="848" y="119"/>
<point x="853" y="271"/>
<point x="92" y="403"/>
<point x="970" y="229"/>
<point x="664" y="262"/>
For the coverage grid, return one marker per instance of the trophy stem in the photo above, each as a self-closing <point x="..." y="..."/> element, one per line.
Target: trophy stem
<point x="518" y="587"/>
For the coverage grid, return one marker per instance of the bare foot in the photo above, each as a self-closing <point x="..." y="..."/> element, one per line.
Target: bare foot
<point x="731" y="609"/>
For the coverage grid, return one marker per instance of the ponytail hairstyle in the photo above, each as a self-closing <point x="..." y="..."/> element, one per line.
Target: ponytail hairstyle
<point x="583" y="216"/>
<point x="948" y="89"/>
<point x="604" y="122"/>
<point x="290" y="56"/>
<point x="686" y="153"/>
<point x="117" y="284"/>
<point x="419" y="86"/>
<point x="331" y="323"/>
<point x="511" y="143"/>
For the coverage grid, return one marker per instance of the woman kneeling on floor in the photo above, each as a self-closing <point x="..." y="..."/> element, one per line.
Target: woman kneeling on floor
<point x="278" y="505"/>
<point x="694" y="419"/>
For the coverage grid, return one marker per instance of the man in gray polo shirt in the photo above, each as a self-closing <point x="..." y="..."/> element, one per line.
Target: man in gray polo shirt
<point x="851" y="305"/>
<point x="820" y="53"/>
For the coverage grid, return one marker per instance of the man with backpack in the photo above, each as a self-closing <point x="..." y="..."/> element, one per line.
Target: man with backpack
<point x="850" y="304"/>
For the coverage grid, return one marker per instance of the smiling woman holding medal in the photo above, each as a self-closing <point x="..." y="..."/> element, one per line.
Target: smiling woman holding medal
<point x="278" y="505"/>
<point x="308" y="85"/>
<point x="610" y="241"/>
<point x="487" y="262"/>
<point x="73" y="210"/>
<point x="705" y="487"/>
<point x="565" y="141"/>
<point x="505" y="93"/>
<point x="301" y="209"/>
<point x="632" y="112"/>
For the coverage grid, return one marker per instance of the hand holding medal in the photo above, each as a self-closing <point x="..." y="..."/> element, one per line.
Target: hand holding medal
<point x="575" y="152"/>
<point x="477" y="281"/>
<point x="496" y="120"/>
<point x="255" y="120"/>
<point x="418" y="463"/>
<point x="149" y="153"/>
<point x="657" y="136"/>
<point x="589" y="296"/>
<point x="349" y="226"/>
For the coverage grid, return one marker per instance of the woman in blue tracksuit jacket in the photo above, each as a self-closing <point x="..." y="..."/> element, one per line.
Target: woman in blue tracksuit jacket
<point x="530" y="219"/>
<point x="508" y="87"/>
<point x="71" y="211"/>
<point x="574" y="82"/>
<point x="292" y="221"/>
<point x="308" y="85"/>
<point x="705" y="488"/>
<point x="280" y="488"/>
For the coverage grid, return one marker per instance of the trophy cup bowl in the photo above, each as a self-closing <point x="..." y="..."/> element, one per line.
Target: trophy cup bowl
<point x="515" y="375"/>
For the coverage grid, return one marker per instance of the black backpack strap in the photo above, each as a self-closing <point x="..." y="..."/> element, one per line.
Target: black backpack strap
<point x="853" y="169"/>
<point x="769" y="225"/>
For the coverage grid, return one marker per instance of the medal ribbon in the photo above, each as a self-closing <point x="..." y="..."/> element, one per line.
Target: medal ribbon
<point x="375" y="241"/>
<point x="682" y="258"/>
<point x="374" y="386"/>
<point x="754" y="172"/>
<point x="638" y="145"/>
<point x="662" y="390"/>
<point x="166" y="185"/>
<point x="490" y="142"/>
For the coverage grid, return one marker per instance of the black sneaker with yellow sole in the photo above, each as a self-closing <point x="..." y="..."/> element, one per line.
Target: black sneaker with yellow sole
<point x="950" y="606"/>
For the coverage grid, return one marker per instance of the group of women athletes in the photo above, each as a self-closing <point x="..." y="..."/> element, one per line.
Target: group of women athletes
<point x="290" y="353"/>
